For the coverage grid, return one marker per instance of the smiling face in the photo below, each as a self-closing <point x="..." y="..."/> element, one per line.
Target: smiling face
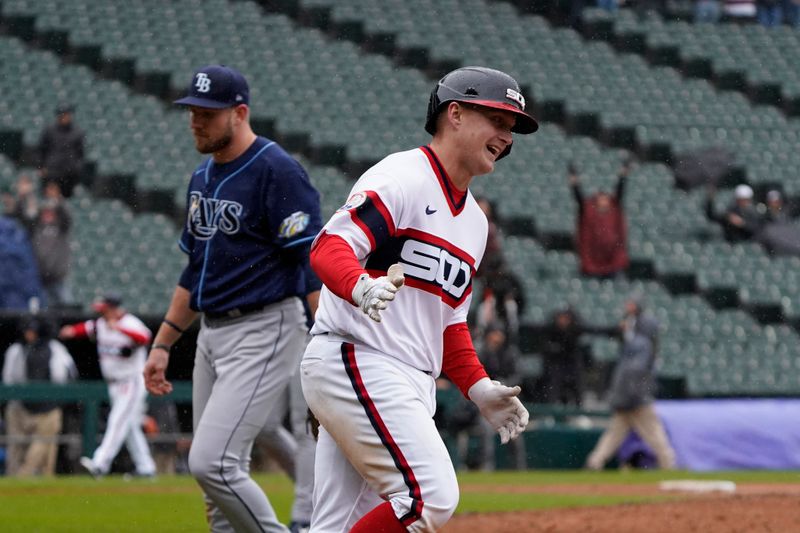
<point x="484" y="134"/>
<point x="213" y="129"/>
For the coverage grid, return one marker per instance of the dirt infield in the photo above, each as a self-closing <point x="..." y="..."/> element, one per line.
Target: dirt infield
<point x="756" y="508"/>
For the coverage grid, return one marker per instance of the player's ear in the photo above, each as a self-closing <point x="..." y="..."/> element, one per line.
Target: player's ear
<point x="454" y="114"/>
<point x="242" y="113"/>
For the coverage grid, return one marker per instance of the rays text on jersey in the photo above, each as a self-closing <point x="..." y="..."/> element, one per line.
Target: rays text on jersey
<point x="207" y="215"/>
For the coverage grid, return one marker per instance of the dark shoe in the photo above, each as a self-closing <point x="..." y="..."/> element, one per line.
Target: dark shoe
<point x="299" y="527"/>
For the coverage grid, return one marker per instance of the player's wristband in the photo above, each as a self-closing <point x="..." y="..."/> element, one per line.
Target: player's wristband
<point x="173" y="325"/>
<point x="164" y="347"/>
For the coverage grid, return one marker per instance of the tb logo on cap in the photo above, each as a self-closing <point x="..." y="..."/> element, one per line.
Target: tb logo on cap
<point x="203" y="82"/>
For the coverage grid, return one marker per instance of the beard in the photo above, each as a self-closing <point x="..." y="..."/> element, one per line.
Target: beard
<point x="210" y="146"/>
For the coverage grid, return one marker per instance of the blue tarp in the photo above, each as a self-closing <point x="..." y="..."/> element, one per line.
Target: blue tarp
<point x="740" y="434"/>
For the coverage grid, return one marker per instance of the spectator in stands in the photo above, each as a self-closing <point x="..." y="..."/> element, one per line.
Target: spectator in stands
<point x="61" y="151"/>
<point x="602" y="232"/>
<point x="161" y="426"/>
<point x="499" y="357"/>
<point x="575" y="14"/>
<point x="707" y="11"/>
<point x="609" y="5"/>
<point x="50" y="236"/>
<point x="564" y="360"/>
<point x="778" y="233"/>
<point x="458" y="417"/>
<point x="791" y="12"/>
<point x="493" y="256"/>
<point x="769" y="13"/>
<point x="739" y="11"/>
<point x="37" y="358"/>
<point x="25" y="205"/>
<point x="741" y="220"/>
<point x="775" y="212"/>
<point x="631" y="392"/>
<point x="19" y="283"/>
<point x="503" y="300"/>
<point x="7" y="202"/>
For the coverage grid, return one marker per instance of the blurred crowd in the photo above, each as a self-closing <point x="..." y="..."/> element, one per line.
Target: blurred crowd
<point x="768" y="13"/>
<point x="36" y="221"/>
<point x="768" y="220"/>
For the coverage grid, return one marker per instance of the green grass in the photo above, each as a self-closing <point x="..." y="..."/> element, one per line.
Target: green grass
<point x="172" y="504"/>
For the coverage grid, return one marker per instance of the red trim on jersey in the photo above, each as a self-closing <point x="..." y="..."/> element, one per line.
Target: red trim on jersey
<point x="336" y="264"/>
<point x="460" y="361"/>
<point x="437" y="241"/>
<point x="431" y="286"/>
<point x="414" y="490"/>
<point x="456" y="199"/>
<point x="361" y="216"/>
<point x="381" y="518"/>
<point x="80" y="330"/>
<point x="139" y="337"/>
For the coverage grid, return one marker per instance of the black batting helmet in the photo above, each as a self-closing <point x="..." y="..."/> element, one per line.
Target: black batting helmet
<point x="480" y="86"/>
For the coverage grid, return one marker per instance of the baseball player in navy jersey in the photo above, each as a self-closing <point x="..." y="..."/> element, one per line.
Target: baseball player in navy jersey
<point x="251" y="216"/>
<point x="397" y="262"/>
<point x="121" y="339"/>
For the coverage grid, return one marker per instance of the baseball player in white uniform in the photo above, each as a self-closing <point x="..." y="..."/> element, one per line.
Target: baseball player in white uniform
<point x="121" y="339"/>
<point x="412" y="234"/>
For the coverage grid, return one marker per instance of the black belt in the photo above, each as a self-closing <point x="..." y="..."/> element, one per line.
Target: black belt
<point x="236" y="312"/>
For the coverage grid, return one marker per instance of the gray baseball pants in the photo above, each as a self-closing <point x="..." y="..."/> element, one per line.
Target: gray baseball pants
<point x="242" y="367"/>
<point x="294" y="452"/>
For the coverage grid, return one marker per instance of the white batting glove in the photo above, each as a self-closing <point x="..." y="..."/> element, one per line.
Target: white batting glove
<point x="501" y="407"/>
<point x="373" y="294"/>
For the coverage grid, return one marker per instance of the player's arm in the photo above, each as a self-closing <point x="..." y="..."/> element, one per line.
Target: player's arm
<point x="179" y="317"/>
<point x="497" y="403"/>
<point x="80" y="330"/>
<point x="138" y="333"/>
<point x="336" y="264"/>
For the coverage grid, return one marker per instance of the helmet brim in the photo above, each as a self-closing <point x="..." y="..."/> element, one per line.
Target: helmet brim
<point x="525" y="123"/>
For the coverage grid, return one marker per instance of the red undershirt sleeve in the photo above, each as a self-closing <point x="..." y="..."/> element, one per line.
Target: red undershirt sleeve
<point x="136" y="336"/>
<point x="80" y="331"/>
<point x="336" y="264"/>
<point x="460" y="362"/>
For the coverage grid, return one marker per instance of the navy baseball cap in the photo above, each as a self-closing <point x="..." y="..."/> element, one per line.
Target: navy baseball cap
<point x="217" y="87"/>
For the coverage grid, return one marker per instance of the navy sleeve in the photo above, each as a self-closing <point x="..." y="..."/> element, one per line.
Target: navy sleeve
<point x="185" y="280"/>
<point x="292" y="205"/>
<point x="313" y="282"/>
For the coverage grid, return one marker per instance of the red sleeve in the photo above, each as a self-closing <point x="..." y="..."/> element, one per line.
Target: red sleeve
<point x="461" y="363"/>
<point x="336" y="265"/>
<point x="80" y="330"/>
<point x="139" y="337"/>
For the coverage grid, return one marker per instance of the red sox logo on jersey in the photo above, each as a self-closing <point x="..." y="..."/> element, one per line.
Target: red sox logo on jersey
<point x="207" y="215"/>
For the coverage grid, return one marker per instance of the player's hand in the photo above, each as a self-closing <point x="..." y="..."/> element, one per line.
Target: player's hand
<point x="155" y="373"/>
<point x="66" y="332"/>
<point x="501" y="407"/>
<point x="373" y="294"/>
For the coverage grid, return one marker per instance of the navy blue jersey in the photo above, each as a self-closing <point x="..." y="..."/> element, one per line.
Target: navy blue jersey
<point x="249" y="224"/>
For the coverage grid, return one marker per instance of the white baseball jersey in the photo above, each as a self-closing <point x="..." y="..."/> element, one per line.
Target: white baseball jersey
<point x="111" y="344"/>
<point x="404" y="210"/>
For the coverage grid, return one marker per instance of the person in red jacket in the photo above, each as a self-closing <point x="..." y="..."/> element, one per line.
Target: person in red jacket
<point x="601" y="237"/>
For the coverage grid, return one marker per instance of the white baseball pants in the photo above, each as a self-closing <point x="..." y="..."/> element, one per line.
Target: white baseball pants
<point x="124" y="426"/>
<point x="378" y="441"/>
